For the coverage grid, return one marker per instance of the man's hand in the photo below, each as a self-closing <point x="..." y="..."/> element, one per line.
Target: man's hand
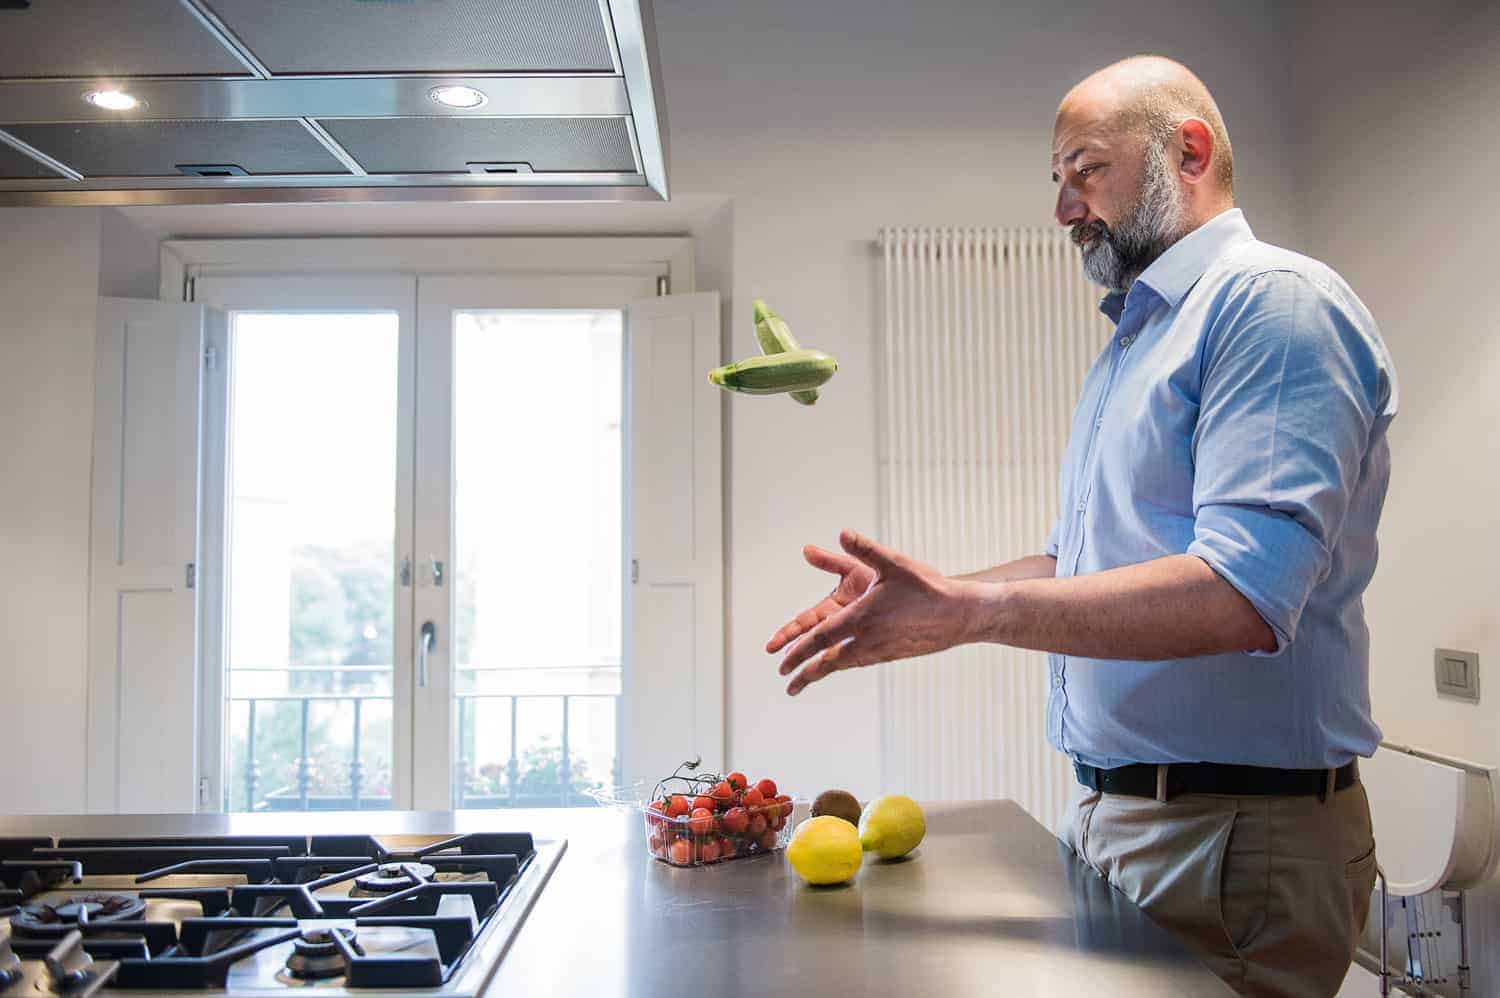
<point x="886" y="607"/>
<point x="854" y="578"/>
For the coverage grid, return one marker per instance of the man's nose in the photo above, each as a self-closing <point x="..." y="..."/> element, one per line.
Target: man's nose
<point x="1070" y="209"/>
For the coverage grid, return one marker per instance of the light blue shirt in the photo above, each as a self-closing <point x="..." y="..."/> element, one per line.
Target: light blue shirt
<point x="1239" y="414"/>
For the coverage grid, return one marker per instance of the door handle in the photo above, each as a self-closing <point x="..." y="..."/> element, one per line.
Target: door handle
<point x="429" y="636"/>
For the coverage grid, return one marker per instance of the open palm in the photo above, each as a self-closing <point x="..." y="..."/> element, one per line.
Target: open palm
<point x="886" y="607"/>
<point x="855" y="577"/>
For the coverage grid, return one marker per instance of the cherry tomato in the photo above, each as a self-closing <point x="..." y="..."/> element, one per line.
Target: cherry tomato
<point x="767" y="788"/>
<point x="726" y="847"/>
<point x="680" y="853"/>
<point x="768" y="840"/>
<point x="659" y="806"/>
<point x="677" y="806"/>
<point x="754" y="798"/>
<point x="735" y="820"/>
<point x="702" y="821"/>
<point x="708" y="851"/>
<point x="737" y="780"/>
<point x="723" y="795"/>
<point x="757" y="826"/>
<point x="786" y="805"/>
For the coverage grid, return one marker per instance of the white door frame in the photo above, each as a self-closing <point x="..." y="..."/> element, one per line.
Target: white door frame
<point x="672" y="257"/>
<point x="537" y="271"/>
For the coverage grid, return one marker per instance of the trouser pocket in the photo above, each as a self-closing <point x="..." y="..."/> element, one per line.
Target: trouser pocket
<point x="1244" y="892"/>
<point x="1359" y="879"/>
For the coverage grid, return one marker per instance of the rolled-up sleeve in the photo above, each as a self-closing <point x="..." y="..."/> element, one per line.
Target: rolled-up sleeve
<point x="1053" y="540"/>
<point x="1290" y="390"/>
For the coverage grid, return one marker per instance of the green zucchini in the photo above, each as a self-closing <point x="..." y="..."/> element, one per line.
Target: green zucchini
<point x="788" y="371"/>
<point x="775" y="336"/>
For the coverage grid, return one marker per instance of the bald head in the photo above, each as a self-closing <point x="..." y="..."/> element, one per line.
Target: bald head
<point x="1141" y="158"/>
<point x="1151" y="96"/>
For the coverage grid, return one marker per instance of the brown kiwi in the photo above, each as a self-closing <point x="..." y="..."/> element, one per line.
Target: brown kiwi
<point x="839" y="803"/>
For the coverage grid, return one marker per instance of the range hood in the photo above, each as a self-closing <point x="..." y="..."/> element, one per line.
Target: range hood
<point x="121" y="102"/>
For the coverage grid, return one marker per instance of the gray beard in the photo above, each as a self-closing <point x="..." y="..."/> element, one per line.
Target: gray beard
<point x="1117" y="256"/>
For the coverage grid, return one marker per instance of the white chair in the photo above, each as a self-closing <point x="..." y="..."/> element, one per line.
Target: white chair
<point x="1437" y="826"/>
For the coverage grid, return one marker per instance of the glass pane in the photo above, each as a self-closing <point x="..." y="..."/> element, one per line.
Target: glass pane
<point x="537" y="557"/>
<point x="311" y="529"/>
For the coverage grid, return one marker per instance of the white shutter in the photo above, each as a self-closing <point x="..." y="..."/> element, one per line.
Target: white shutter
<point x="673" y="680"/>
<point x="142" y="692"/>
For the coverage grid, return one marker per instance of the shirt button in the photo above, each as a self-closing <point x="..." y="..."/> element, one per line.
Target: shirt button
<point x="1057" y="682"/>
<point x="1081" y="505"/>
<point x="1098" y="423"/>
<point x="1125" y="340"/>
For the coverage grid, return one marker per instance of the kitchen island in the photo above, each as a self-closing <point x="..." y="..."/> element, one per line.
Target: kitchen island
<point x="989" y="904"/>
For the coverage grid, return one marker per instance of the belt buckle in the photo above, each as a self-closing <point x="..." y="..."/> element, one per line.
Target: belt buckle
<point x="1161" y="783"/>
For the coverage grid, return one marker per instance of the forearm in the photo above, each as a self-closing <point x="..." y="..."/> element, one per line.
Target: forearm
<point x="1036" y="566"/>
<point x="1174" y="607"/>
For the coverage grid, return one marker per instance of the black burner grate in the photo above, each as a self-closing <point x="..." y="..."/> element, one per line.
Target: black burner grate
<point x="290" y="884"/>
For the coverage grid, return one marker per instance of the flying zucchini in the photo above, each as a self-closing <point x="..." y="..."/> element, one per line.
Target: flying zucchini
<point x="775" y="337"/>
<point x="789" y="371"/>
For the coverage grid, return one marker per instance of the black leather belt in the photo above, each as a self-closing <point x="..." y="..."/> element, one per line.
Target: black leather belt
<point x="1165" y="782"/>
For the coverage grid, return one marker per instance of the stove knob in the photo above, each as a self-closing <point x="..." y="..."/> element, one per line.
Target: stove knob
<point x="10" y="965"/>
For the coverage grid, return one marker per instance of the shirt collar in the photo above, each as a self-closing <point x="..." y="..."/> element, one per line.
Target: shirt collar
<point x="1172" y="275"/>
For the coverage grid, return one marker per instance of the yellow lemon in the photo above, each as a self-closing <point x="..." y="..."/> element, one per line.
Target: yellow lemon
<point x="891" y="826"/>
<point x="825" y="850"/>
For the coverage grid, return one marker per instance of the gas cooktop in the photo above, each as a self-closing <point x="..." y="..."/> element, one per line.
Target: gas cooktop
<point x="328" y="914"/>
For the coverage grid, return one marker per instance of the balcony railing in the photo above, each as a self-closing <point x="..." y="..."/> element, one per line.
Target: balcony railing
<point x="329" y="769"/>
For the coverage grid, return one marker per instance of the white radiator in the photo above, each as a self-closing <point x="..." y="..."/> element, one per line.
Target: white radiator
<point x="987" y="336"/>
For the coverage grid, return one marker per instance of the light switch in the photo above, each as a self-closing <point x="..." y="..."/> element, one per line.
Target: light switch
<point x="1457" y="674"/>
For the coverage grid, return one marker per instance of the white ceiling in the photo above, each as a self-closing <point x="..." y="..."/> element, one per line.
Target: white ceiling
<point x="683" y="214"/>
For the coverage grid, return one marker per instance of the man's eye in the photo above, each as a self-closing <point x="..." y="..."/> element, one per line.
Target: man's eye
<point x="1086" y="170"/>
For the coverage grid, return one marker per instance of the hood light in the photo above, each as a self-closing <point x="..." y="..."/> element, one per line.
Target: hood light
<point x="112" y="100"/>
<point x="462" y="97"/>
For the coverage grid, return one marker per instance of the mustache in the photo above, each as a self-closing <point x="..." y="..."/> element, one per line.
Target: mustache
<point x="1085" y="232"/>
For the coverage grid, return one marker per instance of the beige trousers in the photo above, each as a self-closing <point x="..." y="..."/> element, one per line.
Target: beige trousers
<point x="1271" y="892"/>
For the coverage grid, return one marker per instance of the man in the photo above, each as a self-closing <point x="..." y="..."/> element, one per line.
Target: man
<point x="1200" y="594"/>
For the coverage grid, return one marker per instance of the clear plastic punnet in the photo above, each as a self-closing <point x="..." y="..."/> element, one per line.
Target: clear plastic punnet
<point x="697" y="818"/>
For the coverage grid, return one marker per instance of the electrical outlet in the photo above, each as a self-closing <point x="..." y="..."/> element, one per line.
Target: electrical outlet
<point x="1456" y="674"/>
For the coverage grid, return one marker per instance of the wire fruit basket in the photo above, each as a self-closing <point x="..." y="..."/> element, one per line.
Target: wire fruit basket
<point x="699" y="819"/>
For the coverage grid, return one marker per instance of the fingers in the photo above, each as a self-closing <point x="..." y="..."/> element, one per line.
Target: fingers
<point x="877" y="556"/>
<point x="828" y="561"/>
<point x="830" y="632"/>
<point x="800" y="624"/>
<point x="844" y="655"/>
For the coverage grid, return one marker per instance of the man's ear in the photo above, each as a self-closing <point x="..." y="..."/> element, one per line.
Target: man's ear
<point x="1197" y="142"/>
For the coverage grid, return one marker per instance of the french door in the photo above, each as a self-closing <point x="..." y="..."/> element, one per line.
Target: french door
<point x="518" y="536"/>
<point x="427" y="574"/>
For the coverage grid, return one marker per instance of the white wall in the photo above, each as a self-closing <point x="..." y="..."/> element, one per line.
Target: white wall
<point x="49" y="275"/>
<point x="1397" y="142"/>
<point x="129" y="257"/>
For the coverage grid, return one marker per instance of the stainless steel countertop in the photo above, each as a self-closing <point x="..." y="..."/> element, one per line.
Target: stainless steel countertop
<point x="991" y="903"/>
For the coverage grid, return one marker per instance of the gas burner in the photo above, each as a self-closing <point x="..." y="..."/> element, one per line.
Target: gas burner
<point x="316" y="956"/>
<point x="58" y="917"/>
<point x="390" y="878"/>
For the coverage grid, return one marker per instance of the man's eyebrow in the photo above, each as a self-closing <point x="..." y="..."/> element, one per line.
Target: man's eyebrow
<point x="1067" y="159"/>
